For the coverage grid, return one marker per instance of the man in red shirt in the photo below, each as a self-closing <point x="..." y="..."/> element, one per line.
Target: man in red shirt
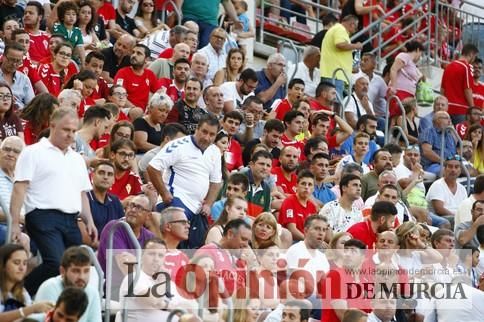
<point x="296" y="208"/>
<point x="286" y="178"/>
<point x="473" y="116"/>
<point x="321" y="123"/>
<point x="39" y="40"/>
<point x="457" y="82"/>
<point x="381" y="219"/>
<point x="230" y="125"/>
<point x="95" y="62"/>
<point x="295" y="91"/>
<point x="175" y="88"/>
<point x="294" y="123"/>
<point x="138" y="80"/>
<point x="478" y="86"/>
<point x="126" y="182"/>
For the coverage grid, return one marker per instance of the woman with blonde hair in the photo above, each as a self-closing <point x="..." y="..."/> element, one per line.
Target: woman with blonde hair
<point x="264" y="231"/>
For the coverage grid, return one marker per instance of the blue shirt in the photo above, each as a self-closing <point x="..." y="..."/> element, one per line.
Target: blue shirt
<point x="347" y="148"/>
<point x="324" y="193"/>
<point x="425" y="122"/>
<point x="263" y="84"/>
<point x="217" y="209"/>
<point x="104" y="212"/>
<point x="433" y="136"/>
<point x="244" y="19"/>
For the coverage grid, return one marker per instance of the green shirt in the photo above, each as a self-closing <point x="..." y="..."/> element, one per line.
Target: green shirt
<point x="205" y="10"/>
<point x="73" y="36"/>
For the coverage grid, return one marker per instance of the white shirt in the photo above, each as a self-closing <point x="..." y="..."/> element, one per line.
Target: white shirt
<point x="402" y="172"/>
<point x="188" y="171"/>
<point x="377" y="92"/>
<point x="314" y="263"/>
<point x="440" y="191"/>
<point x="310" y="84"/>
<point x="350" y="159"/>
<point x="215" y="61"/>
<point x="339" y="219"/>
<point x="230" y="93"/>
<point x="464" y="211"/>
<point x="56" y="179"/>
<point x="157" y="42"/>
<point x="401" y="208"/>
<point x="352" y="105"/>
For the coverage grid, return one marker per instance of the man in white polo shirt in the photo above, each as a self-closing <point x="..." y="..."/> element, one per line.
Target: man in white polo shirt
<point x="52" y="180"/>
<point x="192" y="175"/>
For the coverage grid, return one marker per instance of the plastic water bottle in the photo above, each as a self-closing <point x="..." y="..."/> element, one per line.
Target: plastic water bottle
<point x="356" y="61"/>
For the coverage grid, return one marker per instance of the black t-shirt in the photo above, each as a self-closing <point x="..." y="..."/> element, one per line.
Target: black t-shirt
<point x="154" y="136"/>
<point x="11" y="13"/>
<point x="126" y="23"/>
<point x="251" y="144"/>
<point x="111" y="61"/>
<point x="318" y="38"/>
<point x="188" y="116"/>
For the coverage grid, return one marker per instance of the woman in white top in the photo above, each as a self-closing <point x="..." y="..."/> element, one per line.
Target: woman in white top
<point x="86" y="21"/>
<point x="145" y="19"/>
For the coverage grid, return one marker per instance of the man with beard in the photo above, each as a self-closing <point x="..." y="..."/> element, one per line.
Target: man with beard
<point x="359" y="103"/>
<point x="297" y="207"/>
<point x="214" y="101"/>
<point x="163" y="67"/>
<point x="136" y="79"/>
<point x="39" y="40"/>
<point x="74" y="272"/>
<point x="126" y="182"/>
<point x="95" y="124"/>
<point x="369" y="182"/>
<point x="286" y="177"/>
<point x="381" y="219"/>
<point x="186" y="110"/>
<point x="320" y="169"/>
<point x="233" y="155"/>
<point x="271" y="137"/>
<point x="368" y="124"/>
<point x="124" y="23"/>
<point x="295" y="91"/>
<point x="175" y="88"/>
<point x="468" y="155"/>
<point x="235" y="93"/>
<point x="117" y="57"/>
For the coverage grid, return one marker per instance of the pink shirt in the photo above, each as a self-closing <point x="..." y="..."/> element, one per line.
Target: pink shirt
<point x="408" y="76"/>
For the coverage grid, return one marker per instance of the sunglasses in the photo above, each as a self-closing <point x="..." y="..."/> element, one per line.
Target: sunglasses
<point x="454" y="158"/>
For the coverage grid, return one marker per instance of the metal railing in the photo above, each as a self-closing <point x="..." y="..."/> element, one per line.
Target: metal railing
<point x="454" y="133"/>
<point x="109" y="265"/>
<point x="175" y="8"/>
<point x="8" y="221"/>
<point x="99" y="271"/>
<point x="282" y="46"/>
<point x="343" y="103"/>
<point x="173" y="313"/>
<point x="402" y="130"/>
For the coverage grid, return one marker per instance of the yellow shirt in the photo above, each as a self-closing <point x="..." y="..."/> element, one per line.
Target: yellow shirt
<point x="332" y="57"/>
<point x="478" y="162"/>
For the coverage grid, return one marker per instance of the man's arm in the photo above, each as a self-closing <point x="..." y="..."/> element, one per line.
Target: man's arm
<point x="347" y="46"/>
<point x="351" y="119"/>
<point x="439" y="208"/>
<point x="16" y="202"/>
<point x="429" y="154"/>
<point x="157" y="181"/>
<point x="269" y="93"/>
<point x="468" y="96"/>
<point x="345" y="130"/>
<point x="466" y="235"/>
<point x="231" y="13"/>
<point x="86" y="216"/>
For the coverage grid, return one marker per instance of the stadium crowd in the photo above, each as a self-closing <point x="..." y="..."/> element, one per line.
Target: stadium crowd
<point x="110" y="117"/>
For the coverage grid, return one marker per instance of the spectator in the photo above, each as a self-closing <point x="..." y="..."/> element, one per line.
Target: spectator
<point x="336" y="52"/>
<point x="473" y="117"/>
<point x="138" y="81"/>
<point x="93" y="31"/>
<point x="359" y="103"/>
<point x="175" y="88"/>
<point x="384" y="309"/>
<point x="381" y="219"/>
<point x="56" y="74"/>
<point x="95" y="63"/>
<point x="431" y="143"/>
<point x="148" y="128"/>
<point x="377" y="88"/>
<point x="8" y="28"/>
<point x="214" y="100"/>
<point x="285" y="173"/>
<point x="117" y="57"/>
<point x="369" y="183"/>
<point x="105" y="206"/>
<point x="215" y="52"/>
<point x="367" y="124"/>
<point x="445" y="194"/>
<point x="191" y="39"/>
<point x="124" y="23"/>
<point x="199" y="69"/>
<point x="94" y="125"/>
<point x="342" y="213"/>
<point x="146" y="20"/>
<point x="10" y="10"/>
<point x="19" y="83"/>
<point x="297" y="311"/>
<point x="360" y="149"/>
<point x="265" y="231"/>
<point x="297" y="207"/>
<point x="186" y="111"/>
<point x="75" y="269"/>
<point x="235" y="207"/>
<point x="307" y="70"/>
<point x="457" y="82"/>
<point x="235" y="93"/>
<point x="33" y="15"/>
<point x="203" y="167"/>
<point x="13" y="267"/>
<point x="70" y="98"/>
<point x="440" y="104"/>
<point x="137" y="212"/>
<point x="237" y="185"/>
<point x="234" y="65"/>
<point x="126" y="182"/>
<point x="325" y="96"/>
<point x="163" y="68"/>
<point x="478" y="86"/>
<point x="328" y="21"/>
<point x="466" y="231"/>
<point x="294" y="122"/>
<point x="295" y="92"/>
<point x="271" y="137"/>
<point x="119" y="97"/>
<point x="71" y="305"/>
<point x="10" y="124"/>
<point x="272" y="80"/>
<point x="322" y="188"/>
<point x="253" y="125"/>
<point x="233" y="155"/>
<point x="205" y="15"/>
<point x="161" y="40"/>
<point x="85" y="82"/>
<point x="405" y="75"/>
<point x="464" y="211"/>
<point x="64" y="200"/>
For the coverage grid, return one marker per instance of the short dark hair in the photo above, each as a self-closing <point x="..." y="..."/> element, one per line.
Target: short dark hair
<point x="414" y="45"/>
<point x="261" y="154"/>
<point x="181" y="61"/>
<point x="235" y="115"/>
<point x="388" y="186"/>
<point x="121" y="143"/>
<point x="248" y="74"/>
<point x="64" y="7"/>
<point x="103" y="162"/>
<point x="74" y="299"/>
<point x="382" y="209"/>
<point x="208" y="119"/>
<point x="170" y="130"/>
<point x="363" y="120"/>
<point x="291" y="115"/>
<point x="295" y="81"/>
<point x="235" y="225"/>
<point x="375" y="155"/>
<point x="95" y="112"/>
<point x="239" y="179"/>
<point x="469" y="49"/>
<point x="13" y="46"/>
<point x="274" y="125"/>
<point x="18" y="32"/>
<point x="75" y="255"/>
<point x="309" y="220"/>
<point x="251" y="99"/>
<point x="95" y="54"/>
<point x="312" y="143"/>
<point x="439" y="233"/>
<point x="346" y="179"/>
<point x="323" y="87"/>
<point x="318" y="117"/>
<point x="480" y="234"/>
<point x="146" y="49"/>
<point x="318" y="156"/>
<point x="393" y="148"/>
<point x="304" y="310"/>
<point x="475" y="203"/>
<point x="196" y="80"/>
<point x="355" y="243"/>
<point x="38" y="5"/>
<point x="329" y="19"/>
<point x="304" y="174"/>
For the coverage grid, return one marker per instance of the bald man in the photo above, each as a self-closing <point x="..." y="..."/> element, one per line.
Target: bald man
<point x="163" y="68"/>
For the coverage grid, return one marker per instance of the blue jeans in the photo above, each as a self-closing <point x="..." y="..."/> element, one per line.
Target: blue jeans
<point x="437" y="220"/>
<point x="286" y="4"/>
<point x="205" y="29"/>
<point x="339" y="84"/>
<point x="52" y="231"/>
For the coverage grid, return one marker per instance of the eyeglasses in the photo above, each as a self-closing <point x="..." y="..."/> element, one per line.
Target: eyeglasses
<point x="125" y="155"/>
<point x="136" y="207"/>
<point x="64" y="54"/>
<point x="9" y="149"/>
<point x="181" y="221"/>
<point x="5" y="96"/>
<point x="120" y="95"/>
<point x="16" y="61"/>
<point x="454" y="157"/>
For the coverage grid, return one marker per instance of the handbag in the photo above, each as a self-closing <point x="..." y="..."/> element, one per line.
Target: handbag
<point x="425" y="94"/>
